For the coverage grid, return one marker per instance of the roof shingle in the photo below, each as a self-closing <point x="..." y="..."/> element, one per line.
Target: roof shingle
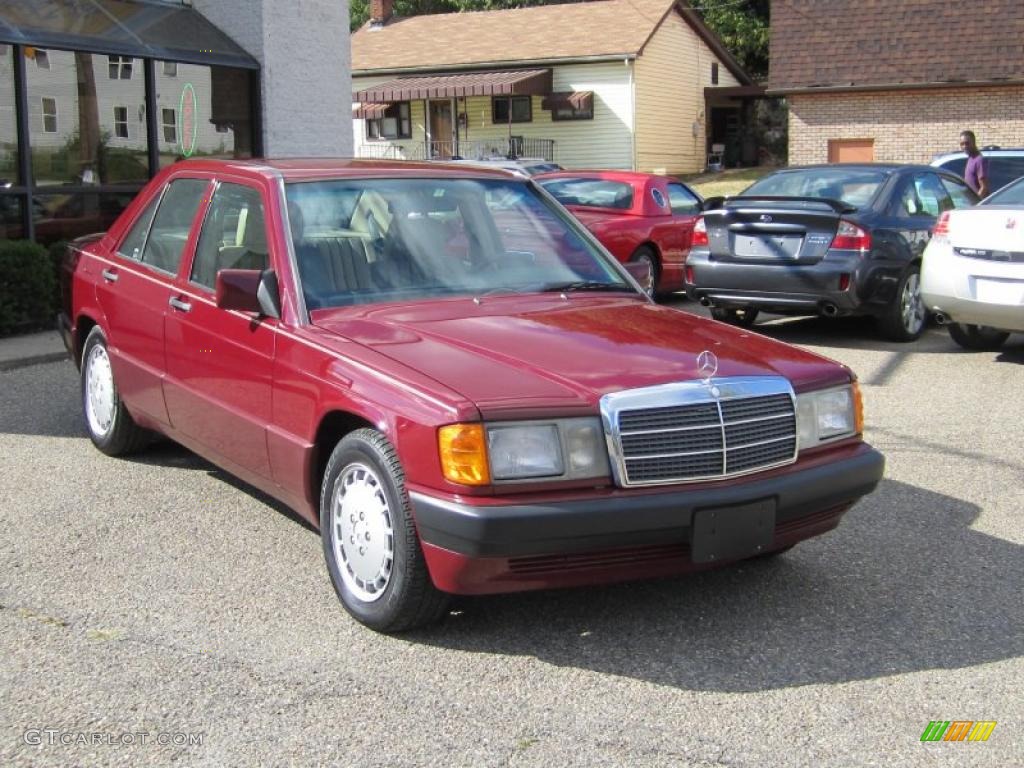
<point x="837" y="43"/>
<point x="540" y="33"/>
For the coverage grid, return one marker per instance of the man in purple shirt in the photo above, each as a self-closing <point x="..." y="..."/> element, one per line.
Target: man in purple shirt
<point x="976" y="172"/>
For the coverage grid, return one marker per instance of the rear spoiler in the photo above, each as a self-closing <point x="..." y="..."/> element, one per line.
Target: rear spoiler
<point x="838" y="206"/>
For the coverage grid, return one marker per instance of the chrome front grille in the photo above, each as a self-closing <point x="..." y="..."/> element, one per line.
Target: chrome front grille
<point x="700" y="430"/>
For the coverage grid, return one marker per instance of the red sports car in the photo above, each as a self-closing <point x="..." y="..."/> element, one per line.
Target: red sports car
<point x="479" y="419"/>
<point x="636" y="216"/>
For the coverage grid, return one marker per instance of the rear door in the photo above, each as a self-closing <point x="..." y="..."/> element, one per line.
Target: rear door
<point x="136" y="286"/>
<point x="219" y="362"/>
<point x="916" y="204"/>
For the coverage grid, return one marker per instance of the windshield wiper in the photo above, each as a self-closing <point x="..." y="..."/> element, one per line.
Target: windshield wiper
<point x="585" y="285"/>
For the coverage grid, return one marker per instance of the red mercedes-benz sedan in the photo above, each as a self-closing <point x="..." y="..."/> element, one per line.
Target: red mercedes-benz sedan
<point x="509" y="412"/>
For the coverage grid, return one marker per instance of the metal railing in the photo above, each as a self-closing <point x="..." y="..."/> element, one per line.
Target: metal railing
<point x="480" y="149"/>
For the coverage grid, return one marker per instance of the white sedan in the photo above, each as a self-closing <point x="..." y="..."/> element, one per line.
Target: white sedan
<point x="972" y="276"/>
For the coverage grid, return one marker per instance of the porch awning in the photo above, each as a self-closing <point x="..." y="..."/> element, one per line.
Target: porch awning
<point x="149" y="30"/>
<point x="534" y="82"/>
<point x="578" y="100"/>
<point x="369" y="111"/>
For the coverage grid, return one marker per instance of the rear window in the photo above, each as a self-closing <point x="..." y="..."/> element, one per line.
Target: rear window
<point x="854" y="187"/>
<point x="1010" y="195"/>
<point x="599" y="193"/>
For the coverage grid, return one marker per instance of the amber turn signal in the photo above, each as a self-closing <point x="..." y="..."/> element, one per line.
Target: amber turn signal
<point x="858" y="408"/>
<point x="463" y="451"/>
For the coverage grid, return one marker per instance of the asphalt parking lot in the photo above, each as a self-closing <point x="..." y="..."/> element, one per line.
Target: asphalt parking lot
<point x="189" y="620"/>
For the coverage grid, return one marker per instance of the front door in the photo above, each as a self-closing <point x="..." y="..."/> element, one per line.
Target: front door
<point x="442" y="144"/>
<point x="220" y="362"/>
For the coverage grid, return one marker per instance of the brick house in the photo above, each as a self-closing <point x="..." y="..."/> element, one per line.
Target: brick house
<point x="628" y="84"/>
<point x="889" y="81"/>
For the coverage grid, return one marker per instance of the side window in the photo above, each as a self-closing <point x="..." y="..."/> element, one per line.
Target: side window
<point x="682" y="201"/>
<point x="131" y="246"/>
<point x="172" y="223"/>
<point x="934" y="197"/>
<point x="234" y="235"/>
<point x="959" y="193"/>
<point x="923" y="197"/>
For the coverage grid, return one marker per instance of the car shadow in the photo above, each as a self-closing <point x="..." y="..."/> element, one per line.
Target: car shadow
<point x="42" y="400"/>
<point x="903" y="585"/>
<point x="166" y="453"/>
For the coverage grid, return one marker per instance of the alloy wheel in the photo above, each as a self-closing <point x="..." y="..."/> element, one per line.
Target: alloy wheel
<point x="363" y="532"/>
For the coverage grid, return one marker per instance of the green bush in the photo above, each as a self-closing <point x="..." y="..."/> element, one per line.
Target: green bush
<point x="27" y="287"/>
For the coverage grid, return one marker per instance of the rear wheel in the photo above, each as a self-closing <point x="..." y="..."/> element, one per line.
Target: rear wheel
<point x="110" y="426"/>
<point x="977" y="337"/>
<point x="744" y="317"/>
<point x="905" y="318"/>
<point x="646" y="254"/>
<point x="370" y="542"/>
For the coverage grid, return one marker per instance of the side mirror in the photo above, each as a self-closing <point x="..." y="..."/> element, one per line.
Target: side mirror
<point x="641" y="272"/>
<point x="249" y="290"/>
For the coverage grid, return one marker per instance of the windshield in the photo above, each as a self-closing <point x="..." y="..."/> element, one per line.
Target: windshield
<point x="379" y="240"/>
<point x="853" y="186"/>
<point x="599" y="193"/>
<point x="1012" y="194"/>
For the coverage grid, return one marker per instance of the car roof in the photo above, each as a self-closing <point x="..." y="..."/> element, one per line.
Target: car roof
<point x="304" y="169"/>
<point x="615" y="175"/>
<point x="883" y="167"/>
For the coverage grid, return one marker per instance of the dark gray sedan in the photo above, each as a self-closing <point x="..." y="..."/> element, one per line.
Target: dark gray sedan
<point x="830" y="240"/>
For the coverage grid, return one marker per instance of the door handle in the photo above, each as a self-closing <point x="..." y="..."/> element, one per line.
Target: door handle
<point x="180" y="304"/>
<point x="110" y="275"/>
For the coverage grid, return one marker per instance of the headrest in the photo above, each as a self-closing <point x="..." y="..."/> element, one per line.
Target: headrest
<point x="255" y="238"/>
<point x="296" y="221"/>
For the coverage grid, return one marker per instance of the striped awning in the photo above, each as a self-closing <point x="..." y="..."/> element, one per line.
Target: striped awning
<point x="534" y="82"/>
<point x="370" y="111"/>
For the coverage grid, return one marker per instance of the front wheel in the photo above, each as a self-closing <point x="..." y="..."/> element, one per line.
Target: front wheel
<point x="110" y="426"/>
<point x="743" y="317"/>
<point x="905" y="318"/>
<point x="370" y="542"/>
<point x="979" y="338"/>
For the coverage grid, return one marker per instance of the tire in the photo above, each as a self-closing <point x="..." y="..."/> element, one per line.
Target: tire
<point x="370" y="543"/>
<point x="110" y="426"/>
<point x="980" y="338"/>
<point x="905" y="319"/>
<point x="744" y="317"/>
<point x="646" y="253"/>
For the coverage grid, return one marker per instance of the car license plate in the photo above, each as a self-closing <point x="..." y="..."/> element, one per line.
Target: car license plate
<point x="731" y="533"/>
<point x="767" y="246"/>
<point x="999" y="291"/>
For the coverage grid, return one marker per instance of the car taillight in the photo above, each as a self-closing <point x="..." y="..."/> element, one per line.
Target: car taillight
<point x="851" y="237"/>
<point x="941" y="229"/>
<point x="700" y="232"/>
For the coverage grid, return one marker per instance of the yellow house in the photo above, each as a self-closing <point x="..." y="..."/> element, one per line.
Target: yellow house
<point x="624" y="84"/>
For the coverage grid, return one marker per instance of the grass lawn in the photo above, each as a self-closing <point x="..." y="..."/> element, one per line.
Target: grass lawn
<point x="728" y="182"/>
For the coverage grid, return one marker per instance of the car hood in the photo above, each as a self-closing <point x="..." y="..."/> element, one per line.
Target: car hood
<point x="513" y="355"/>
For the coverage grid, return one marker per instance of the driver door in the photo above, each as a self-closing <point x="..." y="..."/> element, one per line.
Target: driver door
<point x="220" y="362"/>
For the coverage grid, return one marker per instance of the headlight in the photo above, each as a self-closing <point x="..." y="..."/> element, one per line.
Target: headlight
<point x="561" y="449"/>
<point x="829" y="414"/>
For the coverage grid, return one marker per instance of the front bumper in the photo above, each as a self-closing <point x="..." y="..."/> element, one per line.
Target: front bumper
<point x="779" y="287"/>
<point x="495" y="546"/>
